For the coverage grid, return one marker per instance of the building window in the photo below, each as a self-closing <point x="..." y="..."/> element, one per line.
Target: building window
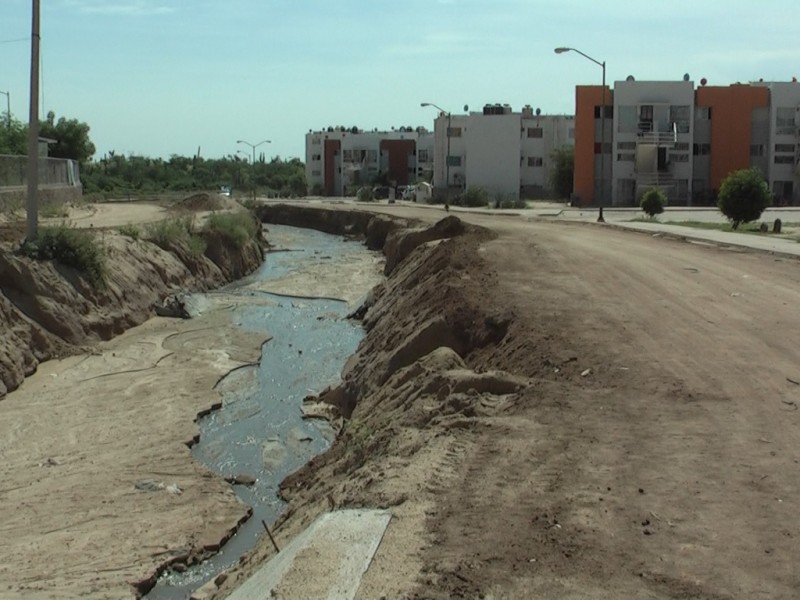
<point x="682" y="189"/>
<point x="625" y="157"/>
<point x="682" y="157"/>
<point x="453" y="161"/>
<point x="609" y="112"/>
<point x="701" y="149"/>
<point x="679" y="115"/>
<point x="784" y="148"/>
<point x="454" y="132"/>
<point x="702" y="113"/>
<point x="347" y="155"/>
<point x="422" y="156"/>
<point x="535" y="161"/>
<point x="681" y="146"/>
<point x="784" y="117"/>
<point x="316" y="157"/>
<point x="646" y="112"/>
<point x="606" y="148"/>
<point x="316" y="173"/>
<point x="784" y="159"/>
<point x="757" y="150"/>
<point x="783" y="189"/>
<point x="315" y="141"/>
<point x="535" y="132"/>
<point x="626" y="145"/>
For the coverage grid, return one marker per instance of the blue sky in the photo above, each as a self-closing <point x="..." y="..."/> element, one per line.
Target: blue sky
<point x="162" y="77"/>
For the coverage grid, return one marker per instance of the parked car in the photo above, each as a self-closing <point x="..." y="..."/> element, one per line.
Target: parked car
<point x="380" y="192"/>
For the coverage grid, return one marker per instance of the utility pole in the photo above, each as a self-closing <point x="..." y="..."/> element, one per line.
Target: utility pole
<point x="33" y="132"/>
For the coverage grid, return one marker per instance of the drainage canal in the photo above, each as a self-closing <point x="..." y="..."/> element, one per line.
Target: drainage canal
<point x="259" y="431"/>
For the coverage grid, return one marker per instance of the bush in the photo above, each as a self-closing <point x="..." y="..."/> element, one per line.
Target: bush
<point x="743" y="196"/>
<point x="132" y="231"/>
<point x="509" y="201"/>
<point x="474" y="196"/>
<point x="238" y="227"/>
<point x="364" y="194"/>
<point x="75" y="248"/>
<point x="562" y="171"/>
<point x="653" y="202"/>
<point x="169" y="232"/>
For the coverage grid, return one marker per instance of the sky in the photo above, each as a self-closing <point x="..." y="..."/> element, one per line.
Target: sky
<point x="164" y="77"/>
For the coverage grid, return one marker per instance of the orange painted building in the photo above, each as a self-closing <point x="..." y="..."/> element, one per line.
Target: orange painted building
<point x="588" y="99"/>
<point x="731" y="109"/>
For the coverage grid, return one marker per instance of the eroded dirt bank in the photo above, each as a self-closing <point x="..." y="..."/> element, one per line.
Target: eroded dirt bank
<point x="48" y="310"/>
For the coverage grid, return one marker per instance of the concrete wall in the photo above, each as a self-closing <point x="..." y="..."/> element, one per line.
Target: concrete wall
<point x="494" y="152"/>
<point x="15" y="198"/>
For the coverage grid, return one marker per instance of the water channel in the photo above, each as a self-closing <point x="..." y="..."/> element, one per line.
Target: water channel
<point x="259" y="430"/>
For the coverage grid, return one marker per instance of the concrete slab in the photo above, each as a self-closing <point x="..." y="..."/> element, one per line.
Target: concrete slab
<point x="327" y="560"/>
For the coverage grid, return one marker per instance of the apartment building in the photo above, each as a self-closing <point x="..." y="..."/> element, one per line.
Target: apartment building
<point x="505" y="152"/>
<point x="684" y="140"/>
<point x="340" y="160"/>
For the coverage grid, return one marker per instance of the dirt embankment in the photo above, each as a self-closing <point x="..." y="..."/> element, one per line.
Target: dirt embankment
<point x="410" y="395"/>
<point x="49" y="310"/>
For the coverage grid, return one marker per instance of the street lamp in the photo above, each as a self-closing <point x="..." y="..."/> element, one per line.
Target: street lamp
<point x="8" y="107"/>
<point x="253" y="166"/>
<point x="602" y="121"/>
<point x="447" y="158"/>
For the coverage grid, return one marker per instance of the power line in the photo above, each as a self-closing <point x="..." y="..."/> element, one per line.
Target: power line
<point x="25" y="39"/>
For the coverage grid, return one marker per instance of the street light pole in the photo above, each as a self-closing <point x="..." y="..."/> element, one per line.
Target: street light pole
<point x="602" y="65"/>
<point x="447" y="158"/>
<point x="8" y="108"/>
<point x="32" y="205"/>
<point x="253" y="166"/>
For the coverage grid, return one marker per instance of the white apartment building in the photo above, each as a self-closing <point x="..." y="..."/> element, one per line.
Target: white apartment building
<point x="341" y="160"/>
<point x="507" y="153"/>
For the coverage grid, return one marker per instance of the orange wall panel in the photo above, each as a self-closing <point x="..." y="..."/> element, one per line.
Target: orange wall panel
<point x="586" y="98"/>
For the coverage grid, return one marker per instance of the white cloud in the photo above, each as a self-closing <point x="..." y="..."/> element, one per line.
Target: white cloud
<point x="121" y="7"/>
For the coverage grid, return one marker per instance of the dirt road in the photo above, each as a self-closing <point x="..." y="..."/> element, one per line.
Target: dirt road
<point x="659" y="453"/>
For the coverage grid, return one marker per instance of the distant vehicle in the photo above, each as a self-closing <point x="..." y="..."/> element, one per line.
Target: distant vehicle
<point x="409" y="193"/>
<point x="225" y="190"/>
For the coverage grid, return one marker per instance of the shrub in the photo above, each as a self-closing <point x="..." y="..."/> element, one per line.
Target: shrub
<point x="562" y="171"/>
<point x="509" y="201"/>
<point x="653" y="202"/>
<point x="53" y="210"/>
<point x="238" y="227"/>
<point x="170" y="231"/>
<point x="364" y="194"/>
<point x="71" y="247"/>
<point x="132" y="231"/>
<point x="474" y="195"/>
<point x="743" y="196"/>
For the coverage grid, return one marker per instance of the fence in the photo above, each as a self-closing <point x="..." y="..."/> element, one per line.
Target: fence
<point x="52" y="172"/>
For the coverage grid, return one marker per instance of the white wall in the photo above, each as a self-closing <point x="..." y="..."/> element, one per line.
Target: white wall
<point x="494" y="152"/>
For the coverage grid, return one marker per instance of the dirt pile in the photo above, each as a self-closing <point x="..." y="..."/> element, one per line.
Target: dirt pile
<point x="205" y="201"/>
<point x="47" y="309"/>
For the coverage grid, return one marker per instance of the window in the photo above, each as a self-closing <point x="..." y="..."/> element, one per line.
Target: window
<point x="609" y="112"/>
<point x="682" y="146"/>
<point x="757" y="150"/>
<point x="784" y="159"/>
<point x="606" y="148"/>
<point x="316" y="157"/>
<point x="702" y="113"/>
<point x="535" y="132"/>
<point x="683" y="157"/>
<point x="784" y="117"/>
<point x="347" y="155"/>
<point x="679" y="115"/>
<point x="315" y="141"/>
<point x="316" y="173"/>
<point x="372" y="156"/>
<point x="626" y="145"/>
<point x="422" y="156"/>
<point x="625" y="157"/>
<point x="453" y="161"/>
<point x="783" y="189"/>
<point x="454" y="132"/>
<point x="646" y="112"/>
<point x="784" y="148"/>
<point x="702" y="149"/>
<point x="682" y="189"/>
<point x="535" y="161"/>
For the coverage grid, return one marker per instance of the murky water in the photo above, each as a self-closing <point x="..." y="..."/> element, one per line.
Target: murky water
<point x="259" y="431"/>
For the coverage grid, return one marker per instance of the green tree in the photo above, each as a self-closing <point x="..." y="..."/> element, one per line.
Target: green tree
<point x="72" y="138"/>
<point x="743" y="196"/>
<point x="13" y="137"/>
<point x="653" y="202"/>
<point x="562" y="171"/>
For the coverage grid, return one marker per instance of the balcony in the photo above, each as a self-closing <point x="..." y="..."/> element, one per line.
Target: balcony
<point x="660" y="136"/>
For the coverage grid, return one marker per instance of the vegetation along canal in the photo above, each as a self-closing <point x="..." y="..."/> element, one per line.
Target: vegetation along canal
<point x="259" y="431"/>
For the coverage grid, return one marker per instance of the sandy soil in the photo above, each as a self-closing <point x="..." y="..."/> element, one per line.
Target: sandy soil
<point x="653" y="452"/>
